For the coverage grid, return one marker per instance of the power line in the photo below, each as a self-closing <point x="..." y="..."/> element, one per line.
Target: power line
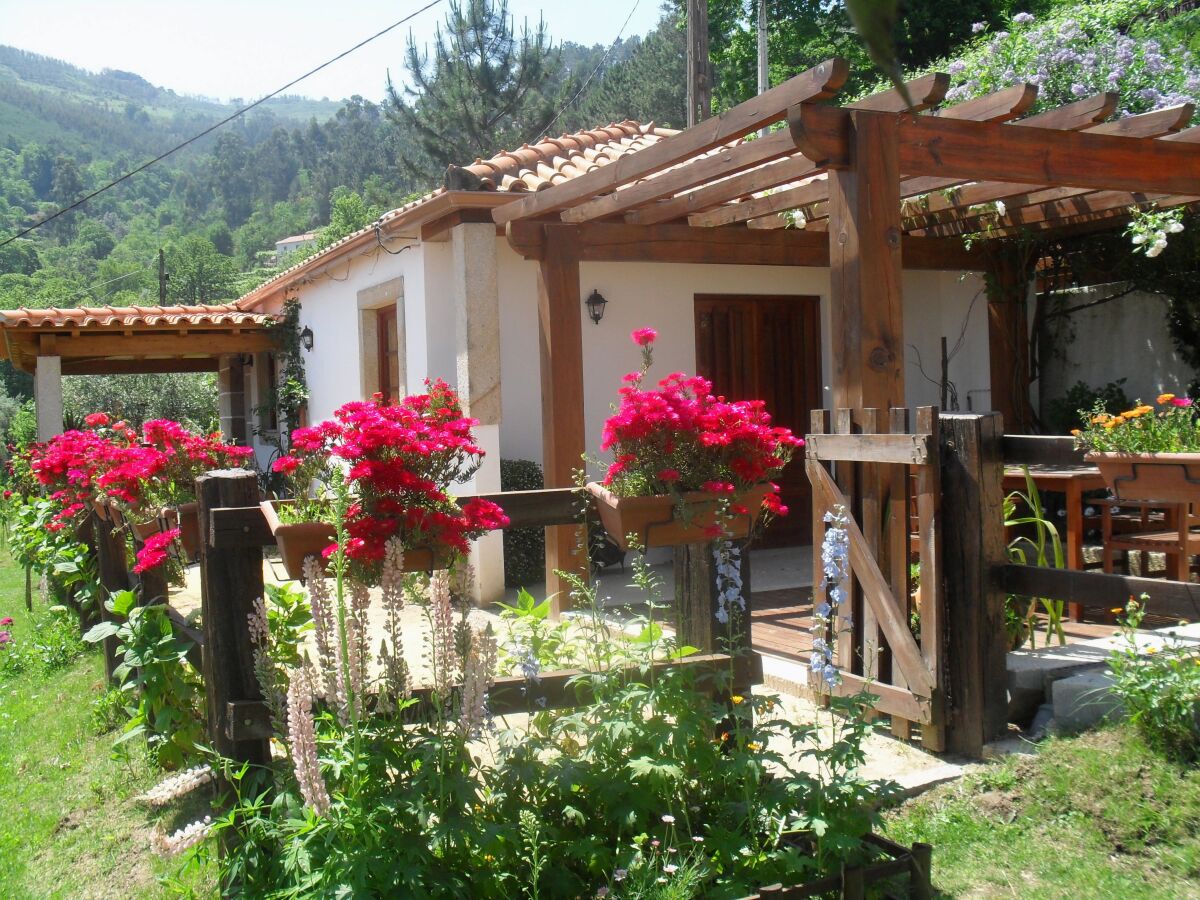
<point x="78" y="203"/>
<point x="588" y="80"/>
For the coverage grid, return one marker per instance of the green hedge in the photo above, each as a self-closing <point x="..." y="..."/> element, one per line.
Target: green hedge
<point x="524" y="548"/>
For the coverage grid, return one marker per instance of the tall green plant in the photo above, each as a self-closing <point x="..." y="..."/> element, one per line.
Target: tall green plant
<point x="1043" y="549"/>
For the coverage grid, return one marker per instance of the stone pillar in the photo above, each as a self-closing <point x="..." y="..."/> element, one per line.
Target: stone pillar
<point x="477" y="346"/>
<point x="48" y="396"/>
<point x="231" y="398"/>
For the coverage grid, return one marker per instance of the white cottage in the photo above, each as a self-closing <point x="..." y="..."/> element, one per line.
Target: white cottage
<point x="435" y="289"/>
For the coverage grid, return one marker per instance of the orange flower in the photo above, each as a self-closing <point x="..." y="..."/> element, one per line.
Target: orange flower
<point x="1076" y="432"/>
<point x="1131" y="413"/>
<point x="1165" y="398"/>
<point x="1100" y="419"/>
<point x="1114" y="422"/>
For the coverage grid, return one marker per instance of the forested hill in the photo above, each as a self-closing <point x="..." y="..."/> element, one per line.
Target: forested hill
<point x="106" y="113"/>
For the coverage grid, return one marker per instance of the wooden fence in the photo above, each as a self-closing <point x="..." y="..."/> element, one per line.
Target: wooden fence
<point x="921" y="499"/>
<point x="233" y="535"/>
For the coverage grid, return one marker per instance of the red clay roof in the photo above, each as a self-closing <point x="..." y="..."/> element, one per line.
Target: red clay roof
<point x="532" y="167"/>
<point x="127" y="316"/>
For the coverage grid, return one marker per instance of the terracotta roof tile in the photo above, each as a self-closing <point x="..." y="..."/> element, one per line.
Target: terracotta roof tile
<point x="531" y="167"/>
<point x="109" y="316"/>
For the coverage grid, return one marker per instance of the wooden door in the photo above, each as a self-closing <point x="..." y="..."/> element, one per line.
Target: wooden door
<point x="767" y="348"/>
<point x="389" y="353"/>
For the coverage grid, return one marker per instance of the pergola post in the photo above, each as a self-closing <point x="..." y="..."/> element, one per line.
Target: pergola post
<point x="563" y="442"/>
<point x="477" y="344"/>
<point x="231" y="398"/>
<point x="865" y="268"/>
<point x="1009" y="271"/>
<point x="48" y="396"/>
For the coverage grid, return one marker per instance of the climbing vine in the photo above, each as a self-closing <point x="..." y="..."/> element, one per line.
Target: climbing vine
<point x="291" y="385"/>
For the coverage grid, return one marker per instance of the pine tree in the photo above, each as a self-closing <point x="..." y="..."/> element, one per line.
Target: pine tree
<point x="484" y="89"/>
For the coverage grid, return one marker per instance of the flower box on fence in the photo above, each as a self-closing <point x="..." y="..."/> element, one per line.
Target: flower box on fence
<point x="666" y="521"/>
<point x="1162" y="477"/>
<point x="151" y="527"/>
<point x="300" y="540"/>
<point x="909" y="864"/>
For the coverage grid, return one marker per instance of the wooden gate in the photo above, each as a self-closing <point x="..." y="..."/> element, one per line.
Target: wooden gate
<point x="887" y="479"/>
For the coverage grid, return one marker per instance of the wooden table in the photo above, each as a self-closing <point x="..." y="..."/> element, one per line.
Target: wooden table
<point x="1071" y="481"/>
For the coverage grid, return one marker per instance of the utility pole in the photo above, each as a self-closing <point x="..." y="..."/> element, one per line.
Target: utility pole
<point x="162" y="278"/>
<point x="699" y="79"/>
<point x="764" y="72"/>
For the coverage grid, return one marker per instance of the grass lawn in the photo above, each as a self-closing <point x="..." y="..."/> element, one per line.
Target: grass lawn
<point x="69" y="826"/>
<point x="1094" y="816"/>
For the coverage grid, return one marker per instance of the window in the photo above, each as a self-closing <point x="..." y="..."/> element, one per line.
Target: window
<point x="388" y="359"/>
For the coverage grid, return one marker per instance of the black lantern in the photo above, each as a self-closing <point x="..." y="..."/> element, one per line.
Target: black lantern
<point x="595" y="305"/>
<point x="306" y="338"/>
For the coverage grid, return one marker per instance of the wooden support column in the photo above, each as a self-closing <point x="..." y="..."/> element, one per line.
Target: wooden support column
<point x="976" y="648"/>
<point x="563" y="442"/>
<point x="1008" y="274"/>
<point x="113" y="574"/>
<point x="231" y="579"/>
<point x="865" y="267"/>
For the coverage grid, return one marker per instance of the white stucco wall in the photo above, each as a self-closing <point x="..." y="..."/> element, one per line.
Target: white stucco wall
<point x="1127" y="338"/>
<point x="662" y="295"/>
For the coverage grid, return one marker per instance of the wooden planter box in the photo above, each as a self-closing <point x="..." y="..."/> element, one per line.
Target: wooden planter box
<point x="1162" y="477"/>
<point x="298" y="541"/>
<point x="151" y="527"/>
<point x="912" y="864"/>
<point x="189" y="529"/>
<point x="655" y="521"/>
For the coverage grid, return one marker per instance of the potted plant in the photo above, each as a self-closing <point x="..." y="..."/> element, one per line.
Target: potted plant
<point x="390" y="465"/>
<point x="687" y="466"/>
<point x="1147" y="452"/>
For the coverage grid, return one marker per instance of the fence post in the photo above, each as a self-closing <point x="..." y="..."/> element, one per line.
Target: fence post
<point x="973" y="548"/>
<point x="231" y="580"/>
<point x="113" y="574"/>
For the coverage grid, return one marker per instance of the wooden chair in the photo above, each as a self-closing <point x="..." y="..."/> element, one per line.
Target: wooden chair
<point x="1142" y="528"/>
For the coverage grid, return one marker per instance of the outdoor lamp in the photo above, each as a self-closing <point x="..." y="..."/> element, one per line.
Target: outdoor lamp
<point x="306" y="338"/>
<point x="595" y="305"/>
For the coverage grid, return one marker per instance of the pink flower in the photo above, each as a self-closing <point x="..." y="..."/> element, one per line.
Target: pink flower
<point x="7" y="620"/>
<point x="154" y="552"/>
<point x="97" y="420"/>
<point x="644" y="337"/>
<point x="668" y="475"/>
<point x="1182" y="401"/>
<point x="5" y="637"/>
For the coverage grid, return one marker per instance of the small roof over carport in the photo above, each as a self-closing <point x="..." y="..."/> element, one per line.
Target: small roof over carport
<point x="132" y="339"/>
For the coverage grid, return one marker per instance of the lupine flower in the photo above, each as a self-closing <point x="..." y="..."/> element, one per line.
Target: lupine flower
<point x="477" y="681"/>
<point x="391" y="652"/>
<point x="185" y="838"/>
<point x="329" y="648"/>
<point x="302" y="742"/>
<point x="445" y="647"/>
<point x="179" y="785"/>
<point x="835" y="565"/>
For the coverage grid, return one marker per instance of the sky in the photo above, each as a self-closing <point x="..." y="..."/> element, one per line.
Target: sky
<point x="247" y="48"/>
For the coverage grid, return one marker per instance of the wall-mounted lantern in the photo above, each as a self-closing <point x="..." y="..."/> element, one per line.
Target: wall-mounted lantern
<point x="595" y="306"/>
<point x="306" y="338"/>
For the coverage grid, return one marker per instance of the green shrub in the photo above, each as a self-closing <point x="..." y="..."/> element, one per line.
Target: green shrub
<point x="52" y="644"/>
<point x="1062" y="413"/>
<point x="1159" y="689"/>
<point x="524" y="548"/>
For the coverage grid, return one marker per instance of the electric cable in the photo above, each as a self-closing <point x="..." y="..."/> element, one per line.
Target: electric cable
<point x="144" y="166"/>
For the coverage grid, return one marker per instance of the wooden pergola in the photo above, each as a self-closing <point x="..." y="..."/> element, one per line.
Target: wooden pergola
<point x="881" y="187"/>
<point x="107" y="340"/>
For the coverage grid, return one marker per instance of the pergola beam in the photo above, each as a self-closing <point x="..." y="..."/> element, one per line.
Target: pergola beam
<point x="818" y="83"/>
<point x="139" y="366"/>
<point x="984" y="151"/>
<point x="999" y="106"/>
<point x="926" y="91"/>
<point x="618" y="242"/>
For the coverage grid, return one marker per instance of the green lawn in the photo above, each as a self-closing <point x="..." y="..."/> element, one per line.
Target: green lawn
<point x="1093" y="816"/>
<point x="69" y="826"/>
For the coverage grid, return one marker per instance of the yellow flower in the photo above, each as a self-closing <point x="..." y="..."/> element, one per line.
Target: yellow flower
<point x="753" y="745"/>
<point x="1151" y="649"/>
<point x="737" y="698"/>
<point x="1165" y="398"/>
